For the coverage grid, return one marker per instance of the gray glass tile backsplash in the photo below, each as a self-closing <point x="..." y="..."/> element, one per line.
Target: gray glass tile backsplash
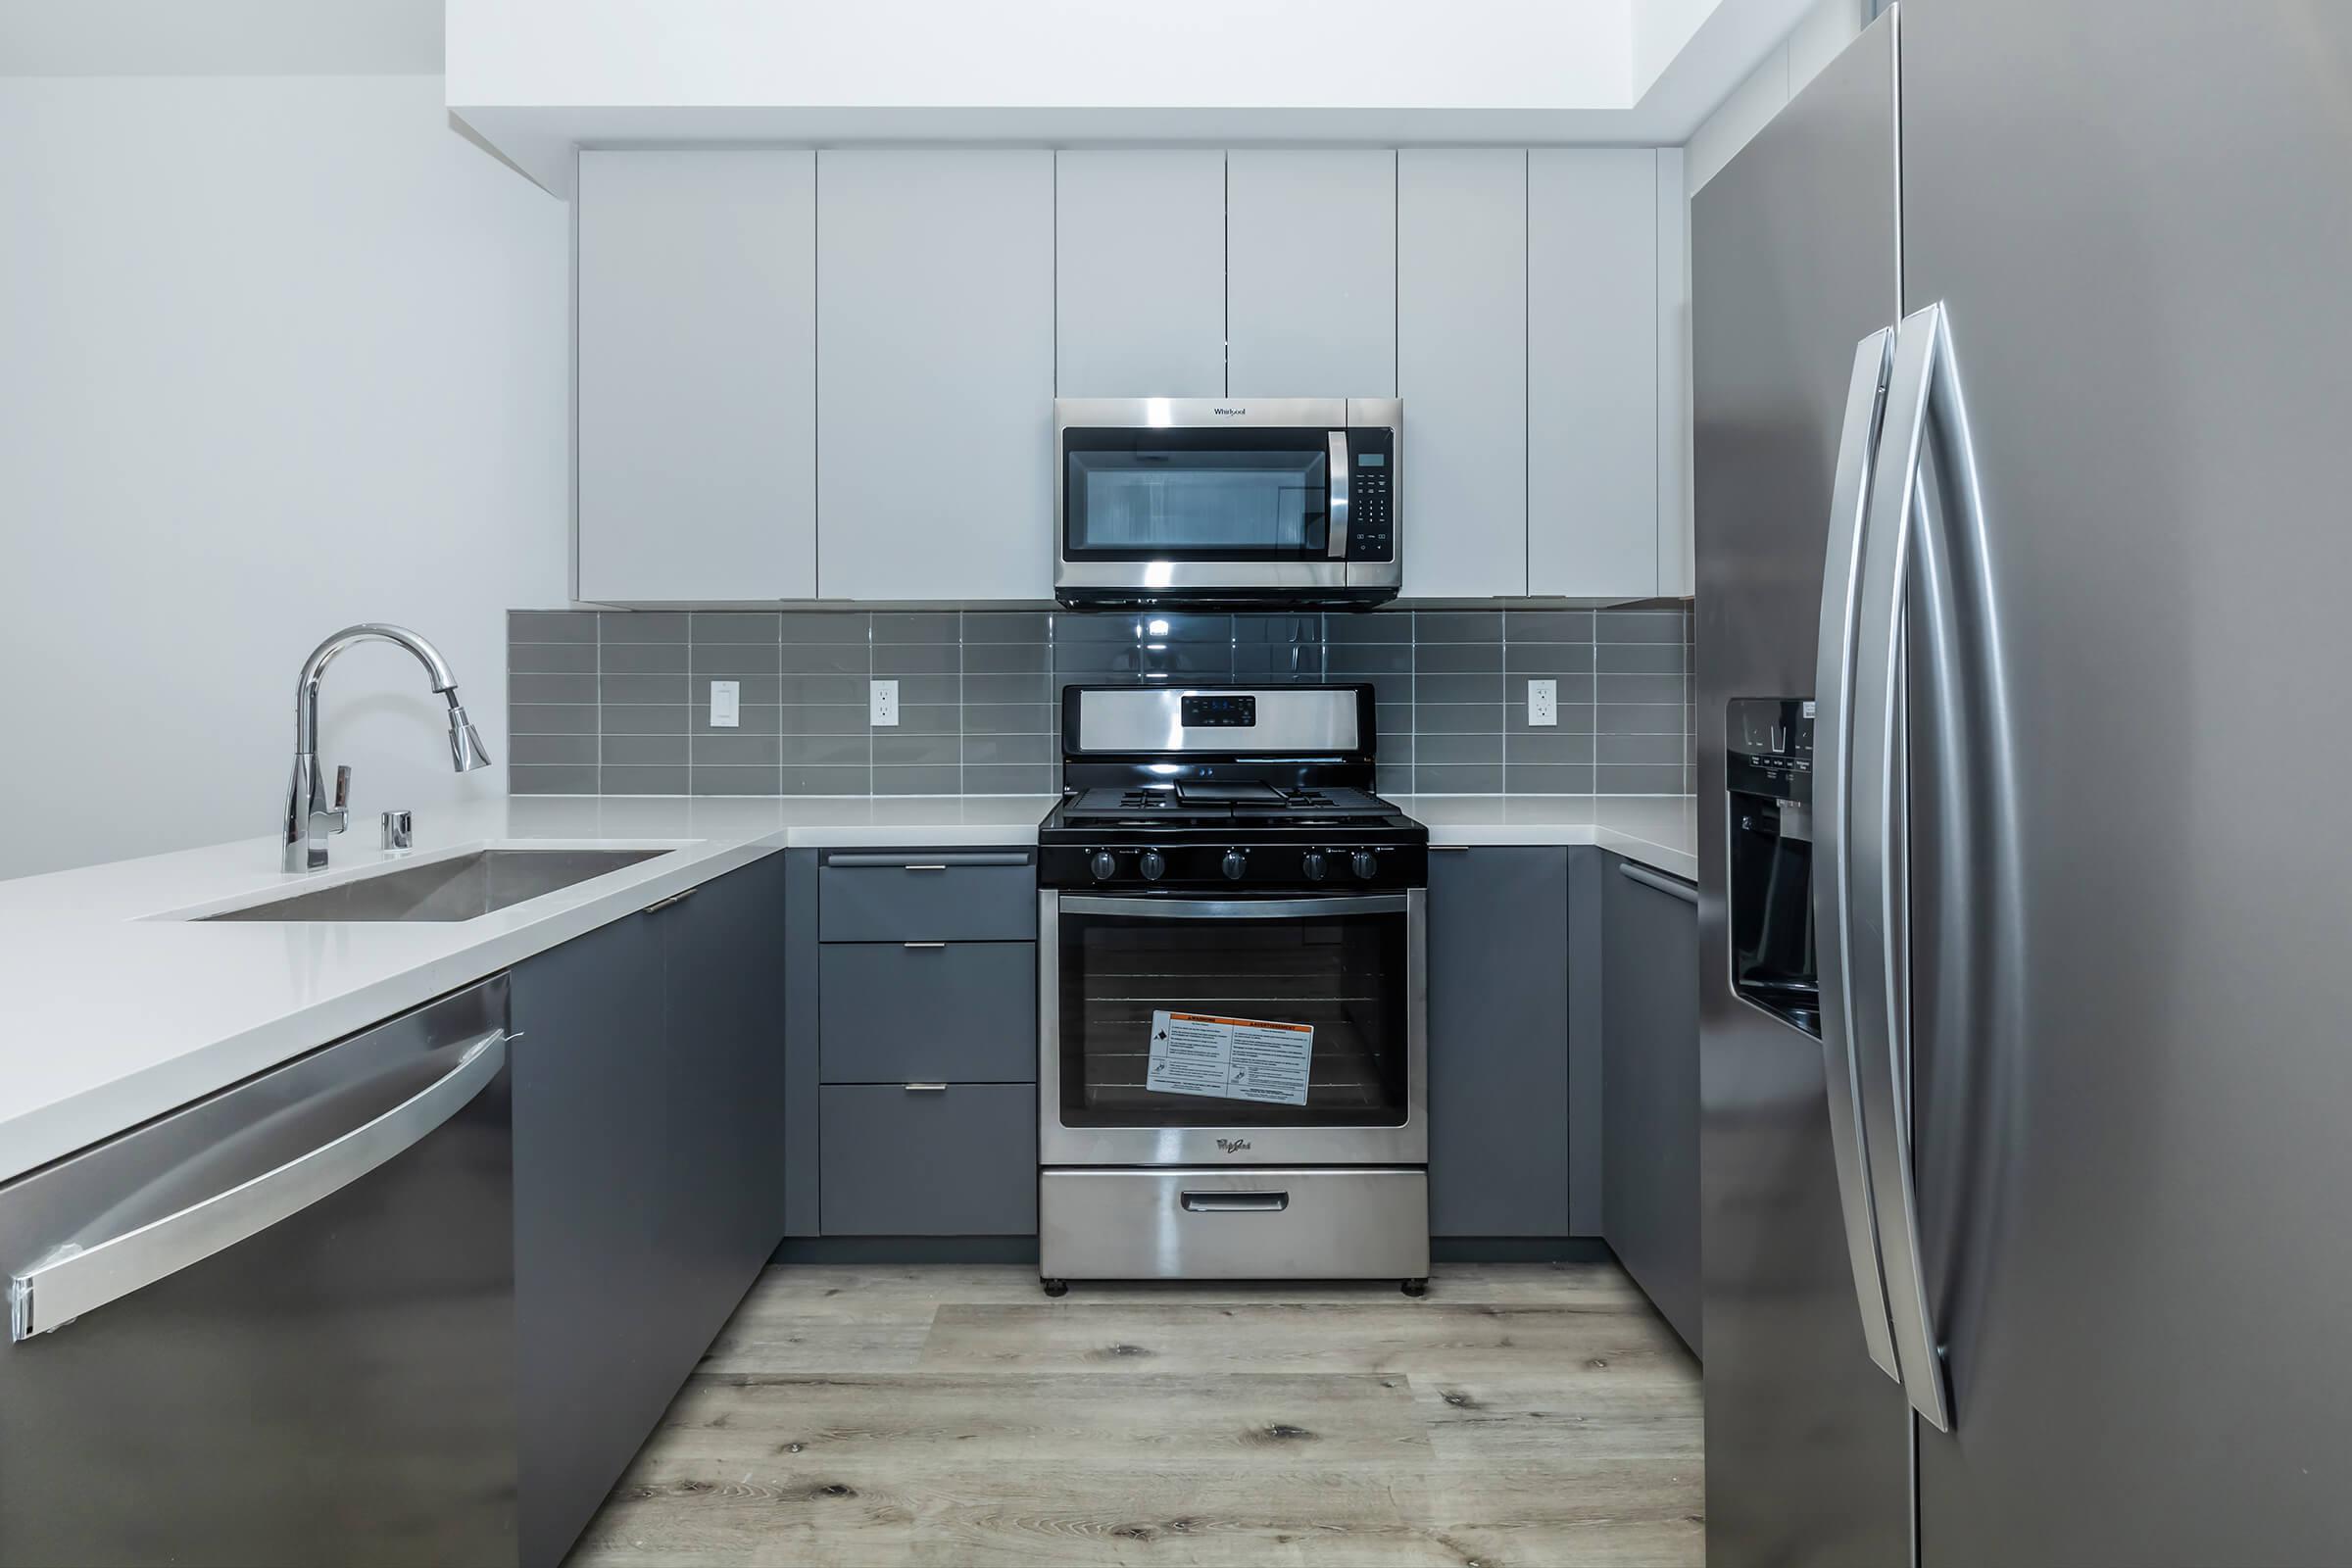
<point x="617" y="702"/>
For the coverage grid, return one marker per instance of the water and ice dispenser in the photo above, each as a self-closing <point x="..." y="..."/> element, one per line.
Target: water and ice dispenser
<point x="1768" y="775"/>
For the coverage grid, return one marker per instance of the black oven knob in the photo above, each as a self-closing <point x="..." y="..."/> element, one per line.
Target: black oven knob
<point x="1362" y="864"/>
<point x="1312" y="865"/>
<point x="1152" y="865"/>
<point x="1233" y="865"/>
<point x="1104" y="865"/>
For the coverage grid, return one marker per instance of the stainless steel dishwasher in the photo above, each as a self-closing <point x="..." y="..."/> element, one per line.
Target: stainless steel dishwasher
<point x="277" y="1325"/>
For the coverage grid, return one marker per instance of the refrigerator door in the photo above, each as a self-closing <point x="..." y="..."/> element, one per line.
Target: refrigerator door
<point x="2139" y="221"/>
<point x="1795" y="257"/>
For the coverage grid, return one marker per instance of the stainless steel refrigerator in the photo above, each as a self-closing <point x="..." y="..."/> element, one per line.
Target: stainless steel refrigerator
<point x="2023" y="394"/>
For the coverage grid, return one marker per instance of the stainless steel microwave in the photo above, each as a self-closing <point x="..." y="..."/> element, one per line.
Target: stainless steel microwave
<point x="1231" y="501"/>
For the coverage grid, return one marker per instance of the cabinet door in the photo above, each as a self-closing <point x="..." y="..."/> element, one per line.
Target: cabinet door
<point x="591" y="1163"/>
<point x="1139" y="273"/>
<point x="1499" y="1042"/>
<point x="1593" y="372"/>
<point x="1461" y="369"/>
<point x="697" y="360"/>
<point x="935" y="373"/>
<point x="1310" y="275"/>
<point x="723" y="951"/>
<point x="1649" y="1077"/>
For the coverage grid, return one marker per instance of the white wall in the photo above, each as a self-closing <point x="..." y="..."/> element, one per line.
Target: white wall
<point x="276" y="353"/>
<point x="1816" y="41"/>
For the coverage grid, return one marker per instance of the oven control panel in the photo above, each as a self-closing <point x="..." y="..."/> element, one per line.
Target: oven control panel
<point x="1208" y="868"/>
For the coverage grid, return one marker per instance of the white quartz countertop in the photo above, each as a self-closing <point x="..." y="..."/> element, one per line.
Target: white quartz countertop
<point x="116" y="1007"/>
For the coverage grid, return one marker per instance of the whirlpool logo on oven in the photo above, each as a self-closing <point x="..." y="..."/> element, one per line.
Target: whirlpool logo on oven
<point x="1233" y="1146"/>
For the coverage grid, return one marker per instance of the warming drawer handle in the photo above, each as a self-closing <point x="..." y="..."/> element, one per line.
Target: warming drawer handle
<point x="73" y="1280"/>
<point x="1234" y="1203"/>
<point x="1664" y="884"/>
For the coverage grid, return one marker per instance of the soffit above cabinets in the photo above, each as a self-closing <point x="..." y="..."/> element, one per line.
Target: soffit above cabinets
<point x="531" y="79"/>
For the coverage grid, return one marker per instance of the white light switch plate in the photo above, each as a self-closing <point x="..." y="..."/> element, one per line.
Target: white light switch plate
<point x="882" y="704"/>
<point x="1542" y="702"/>
<point x="727" y="703"/>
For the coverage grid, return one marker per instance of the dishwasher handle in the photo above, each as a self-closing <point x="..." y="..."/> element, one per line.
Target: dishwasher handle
<point x="73" y="1280"/>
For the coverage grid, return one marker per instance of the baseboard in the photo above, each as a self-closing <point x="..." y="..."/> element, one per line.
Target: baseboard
<point x="865" y="1249"/>
<point x="1518" y="1249"/>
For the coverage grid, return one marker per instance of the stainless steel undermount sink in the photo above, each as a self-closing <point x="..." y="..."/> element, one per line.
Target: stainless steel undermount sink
<point x="463" y="887"/>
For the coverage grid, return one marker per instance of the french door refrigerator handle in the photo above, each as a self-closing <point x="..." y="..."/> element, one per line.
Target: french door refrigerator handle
<point x="72" y="1281"/>
<point x="1833" y="762"/>
<point x="1880" y="938"/>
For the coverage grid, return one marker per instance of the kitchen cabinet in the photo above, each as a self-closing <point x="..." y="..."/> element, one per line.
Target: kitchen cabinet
<point x="896" y="1013"/>
<point x="648" y="1073"/>
<point x="1139" y="273"/>
<point x="935" y="373"/>
<point x="1310" y="275"/>
<point x="1461" y="369"/>
<point x="929" y="1159"/>
<point x="696" y="341"/>
<point x="1650" y="1078"/>
<point x="1593" y="359"/>
<point x="1499" y="1007"/>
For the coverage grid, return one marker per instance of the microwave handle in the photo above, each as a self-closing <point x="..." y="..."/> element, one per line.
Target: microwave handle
<point x="1339" y="495"/>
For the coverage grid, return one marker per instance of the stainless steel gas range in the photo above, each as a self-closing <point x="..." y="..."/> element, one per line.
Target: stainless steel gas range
<point x="1232" y="1008"/>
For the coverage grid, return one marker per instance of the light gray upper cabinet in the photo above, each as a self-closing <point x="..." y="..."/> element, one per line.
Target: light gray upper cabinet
<point x="1139" y="273"/>
<point x="1593" y="372"/>
<point x="935" y="373"/>
<point x="1311" y="263"/>
<point x="696" y="375"/>
<point x="1461" y="369"/>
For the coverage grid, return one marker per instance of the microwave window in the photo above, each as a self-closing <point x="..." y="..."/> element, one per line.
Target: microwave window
<point x="1220" y="503"/>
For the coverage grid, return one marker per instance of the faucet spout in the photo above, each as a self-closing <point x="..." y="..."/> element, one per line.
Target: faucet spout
<point x="307" y="816"/>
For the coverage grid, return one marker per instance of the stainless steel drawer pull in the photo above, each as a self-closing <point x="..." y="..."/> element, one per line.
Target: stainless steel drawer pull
<point x="1664" y="884"/>
<point x="926" y="1089"/>
<point x="932" y="867"/>
<point x="675" y="898"/>
<point x="922" y="944"/>
<point x="851" y="861"/>
<point x="1236" y="1202"/>
<point x="73" y="1280"/>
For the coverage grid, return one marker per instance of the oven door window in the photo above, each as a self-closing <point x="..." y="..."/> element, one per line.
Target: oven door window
<point x="1195" y="495"/>
<point x="1344" y="975"/>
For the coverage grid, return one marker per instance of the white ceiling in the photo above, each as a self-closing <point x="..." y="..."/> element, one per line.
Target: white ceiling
<point x="220" y="37"/>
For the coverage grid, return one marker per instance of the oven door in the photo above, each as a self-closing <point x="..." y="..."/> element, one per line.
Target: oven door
<point x="1350" y="967"/>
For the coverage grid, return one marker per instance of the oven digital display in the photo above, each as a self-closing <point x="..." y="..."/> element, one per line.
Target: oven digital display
<point x="1220" y="712"/>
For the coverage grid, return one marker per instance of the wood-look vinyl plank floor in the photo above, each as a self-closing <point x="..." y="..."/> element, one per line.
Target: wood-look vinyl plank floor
<point x="1522" y="1416"/>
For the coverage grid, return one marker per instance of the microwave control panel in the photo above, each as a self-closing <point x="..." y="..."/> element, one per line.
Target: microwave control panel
<point x="1371" y="482"/>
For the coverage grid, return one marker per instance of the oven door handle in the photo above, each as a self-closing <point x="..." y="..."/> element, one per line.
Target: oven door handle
<point x="1235" y="909"/>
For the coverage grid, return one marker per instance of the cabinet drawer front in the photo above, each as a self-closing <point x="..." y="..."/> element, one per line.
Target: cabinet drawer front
<point x="955" y="1161"/>
<point x="962" y="1013"/>
<point x="913" y="896"/>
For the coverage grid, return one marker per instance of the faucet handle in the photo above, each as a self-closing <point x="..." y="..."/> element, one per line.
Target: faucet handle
<point x="342" y="787"/>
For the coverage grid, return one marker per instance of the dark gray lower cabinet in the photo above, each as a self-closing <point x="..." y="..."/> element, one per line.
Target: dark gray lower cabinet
<point x="648" y="1070"/>
<point x="892" y="1012"/>
<point x="959" y="1159"/>
<point x="1650" y="1076"/>
<point x="1499" y="1042"/>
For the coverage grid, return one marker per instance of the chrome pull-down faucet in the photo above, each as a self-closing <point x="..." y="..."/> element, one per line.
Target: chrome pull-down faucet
<point x="309" y="818"/>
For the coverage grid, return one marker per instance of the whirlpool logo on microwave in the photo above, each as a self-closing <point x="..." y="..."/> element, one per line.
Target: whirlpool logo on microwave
<point x="1233" y="1146"/>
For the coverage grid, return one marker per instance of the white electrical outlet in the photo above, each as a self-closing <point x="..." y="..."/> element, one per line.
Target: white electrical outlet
<point x="727" y="703"/>
<point x="882" y="703"/>
<point x="1543" y="703"/>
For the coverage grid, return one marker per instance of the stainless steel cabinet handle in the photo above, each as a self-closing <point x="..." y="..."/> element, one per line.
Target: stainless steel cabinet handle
<point x="1234" y="909"/>
<point x="849" y="861"/>
<point x="1338" y="526"/>
<point x="675" y="898"/>
<point x="922" y="944"/>
<point x="1832" y="766"/>
<point x="926" y="1089"/>
<point x="1919" y="378"/>
<point x="75" y="1280"/>
<point x="1664" y="884"/>
<point x="1234" y="1203"/>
